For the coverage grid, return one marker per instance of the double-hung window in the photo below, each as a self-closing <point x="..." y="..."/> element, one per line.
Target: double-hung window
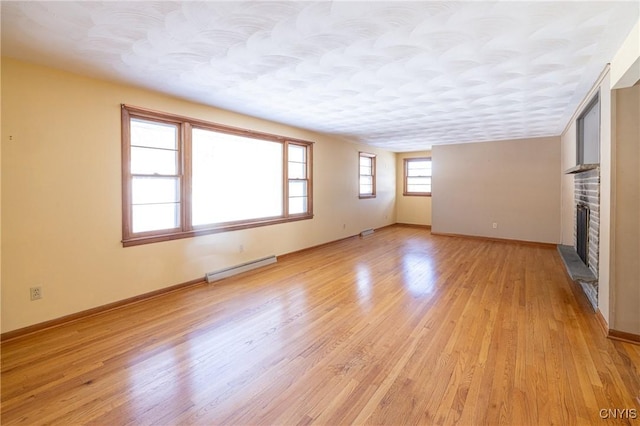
<point x="184" y="177"/>
<point x="367" y="181"/>
<point x="417" y="176"/>
<point x="298" y="179"/>
<point x="155" y="176"/>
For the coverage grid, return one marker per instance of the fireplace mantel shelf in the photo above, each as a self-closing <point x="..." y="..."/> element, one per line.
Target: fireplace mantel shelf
<point x="581" y="168"/>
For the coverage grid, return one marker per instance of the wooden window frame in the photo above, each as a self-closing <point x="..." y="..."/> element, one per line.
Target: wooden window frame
<point x="405" y="191"/>
<point x="373" y="174"/>
<point x="186" y="229"/>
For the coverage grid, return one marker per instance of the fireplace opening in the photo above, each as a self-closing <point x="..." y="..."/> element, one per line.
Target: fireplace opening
<point x="582" y="232"/>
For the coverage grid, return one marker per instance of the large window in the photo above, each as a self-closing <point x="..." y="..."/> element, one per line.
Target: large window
<point x="417" y="176"/>
<point x="367" y="181"/>
<point x="184" y="177"/>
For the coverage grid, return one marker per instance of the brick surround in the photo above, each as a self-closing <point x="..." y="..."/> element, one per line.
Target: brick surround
<point x="587" y="192"/>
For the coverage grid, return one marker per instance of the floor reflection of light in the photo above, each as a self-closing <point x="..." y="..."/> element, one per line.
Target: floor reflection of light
<point x="417" y="271"/>
<point x="154" y="381"/>
<point x="363" y="282"/>
<point x="199" y="368"/>
<point x="222" y="355"/>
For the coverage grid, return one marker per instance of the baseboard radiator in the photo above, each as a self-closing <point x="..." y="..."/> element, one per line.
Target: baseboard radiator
<point x="366" y="232"/>
<point x="244" y="267"/>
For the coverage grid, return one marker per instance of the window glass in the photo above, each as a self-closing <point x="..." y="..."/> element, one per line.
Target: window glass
<point x="234" y="178"/>
<point x="154" y="190"/>
<point x="152" y="161"/>
<point x="297" y="205"/>
<point x="153" y="134"/>
<point x="153" y="217"/>
<point x="297" y="170"/>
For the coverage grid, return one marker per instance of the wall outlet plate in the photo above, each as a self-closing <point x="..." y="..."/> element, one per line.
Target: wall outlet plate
<point x="36" y="293"/>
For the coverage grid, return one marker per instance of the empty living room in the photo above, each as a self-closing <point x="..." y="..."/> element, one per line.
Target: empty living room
<point x="320" y="212"/>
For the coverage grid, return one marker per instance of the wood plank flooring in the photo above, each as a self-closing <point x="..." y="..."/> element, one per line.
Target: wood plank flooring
<point x="401" y="327"/>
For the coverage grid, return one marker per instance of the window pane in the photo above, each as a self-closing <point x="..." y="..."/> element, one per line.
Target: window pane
<point x="297" y="188"/>
<point x="297" y="170"/>
<point x="418" y="188"/>
<point x="153" y="217"/>
<point x="419" y="181"/>
<point x="365" y="170"/>
<point x="366" y="189"/>
<point x="366" y="180"/>
<point x="153" y="134"/>
<point x="365" y="162"/>
<point x="147" y="190"/>
<point x="148" y="161"/>
<point x="234" y="178"/>
<point x="419" y="168"/>
<point x="419" y="164"/>
<point x="297" y="153"/>
<point x="297" y="205"/>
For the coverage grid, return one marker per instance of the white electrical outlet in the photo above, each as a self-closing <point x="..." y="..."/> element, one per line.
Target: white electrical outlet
<point x="495" y="225"/>
<point x="36" y="293"/>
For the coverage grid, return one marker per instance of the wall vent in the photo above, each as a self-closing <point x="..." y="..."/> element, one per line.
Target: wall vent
<point x="366" y="232"/>
<point x="244" y="267"/>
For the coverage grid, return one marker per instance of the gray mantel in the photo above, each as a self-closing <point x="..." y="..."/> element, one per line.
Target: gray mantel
<point x="581" y="168"/>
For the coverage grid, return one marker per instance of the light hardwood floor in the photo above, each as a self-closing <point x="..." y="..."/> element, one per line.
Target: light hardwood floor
<point x="401" y="327"/>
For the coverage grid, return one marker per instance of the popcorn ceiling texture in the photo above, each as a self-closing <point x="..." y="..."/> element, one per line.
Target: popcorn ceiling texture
<point x="399" y="75"/>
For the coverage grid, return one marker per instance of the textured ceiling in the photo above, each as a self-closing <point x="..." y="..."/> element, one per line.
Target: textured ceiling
<point x="399" y="75"/>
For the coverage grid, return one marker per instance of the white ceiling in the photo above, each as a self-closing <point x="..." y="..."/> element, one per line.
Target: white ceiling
<point x="399" y="75"/>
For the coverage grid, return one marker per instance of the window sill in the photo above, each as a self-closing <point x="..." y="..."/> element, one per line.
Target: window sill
<point x="416" y="194"/>
<point x="149" y="239"/>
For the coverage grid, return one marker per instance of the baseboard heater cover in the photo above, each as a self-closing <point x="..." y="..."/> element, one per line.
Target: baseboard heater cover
<point x="366" y="232"/>
<point x="244" y="267"/>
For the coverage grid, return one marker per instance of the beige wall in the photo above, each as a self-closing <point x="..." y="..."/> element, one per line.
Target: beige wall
<point x="567" y="161"/>
<point x="1" y="143"/>
<point x="61" y="198"/>
<point x="410" y="209"/>
<point x="625" y="301"/>
<point x="512" y="183"/>
<point x="568" y="141"/>
<point x="625" y="66"/>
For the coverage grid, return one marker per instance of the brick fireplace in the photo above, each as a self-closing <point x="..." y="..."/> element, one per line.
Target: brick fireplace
<point x="587" y="194"/>
<point x="582" y="259"/>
